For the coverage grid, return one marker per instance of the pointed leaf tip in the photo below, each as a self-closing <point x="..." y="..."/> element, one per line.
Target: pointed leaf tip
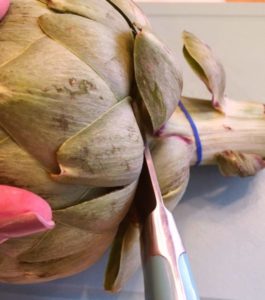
<point x="132" y="12"/>
<point x="22" y="213"/>
<point x="207" y="67"/>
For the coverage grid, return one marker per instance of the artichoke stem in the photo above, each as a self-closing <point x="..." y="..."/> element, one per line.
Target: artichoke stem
<point x="240" y="129"/>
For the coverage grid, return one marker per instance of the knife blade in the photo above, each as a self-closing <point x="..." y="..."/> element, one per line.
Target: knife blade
<point x="166" y="268"/>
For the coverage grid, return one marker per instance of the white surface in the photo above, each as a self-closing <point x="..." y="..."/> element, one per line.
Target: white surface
<point x="222" y="224"/>
<point x="222" y="220"/>
<point x="235" y="32"/>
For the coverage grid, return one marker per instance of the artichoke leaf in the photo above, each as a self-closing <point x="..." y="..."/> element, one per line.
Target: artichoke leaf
<point x="18" y="168"/>
<point x="86" y="220"/>
<point x="3" y="136"/>
<point x="61" y="237"/>
<point x="104" y="50"/>
<point x="107" y="153"/>
<point x="173" y="176"/>
<point x="158" y="78"/>
<point x="125" y="256"/>
<point x="51" y="108"/>
<point x="172" y="198"/>
<point x="26" y="272"/>
<point x="19" y="28"/>
<point x="100" y="11"/>
<point x="132" y="13"/>
<point x="204" y="63"/>
<point x="236" y="163"/>
<point x="172" y="157"/>
<point x="14" y="247"/>
<point x="100" y="214"/>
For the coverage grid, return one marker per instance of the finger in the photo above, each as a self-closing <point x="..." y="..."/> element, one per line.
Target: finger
<point x="4" y="5"/>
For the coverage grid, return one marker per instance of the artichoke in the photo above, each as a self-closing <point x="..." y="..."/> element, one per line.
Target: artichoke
<point x="80" y="81"/>
<point x="71" y="72"/>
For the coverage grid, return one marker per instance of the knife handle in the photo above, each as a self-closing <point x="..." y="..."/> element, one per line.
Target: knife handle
<point x="158" y="279"/>
<point x="183" y="265"/>
<point x="167" y="272"/>
<point x="187" y="279"/>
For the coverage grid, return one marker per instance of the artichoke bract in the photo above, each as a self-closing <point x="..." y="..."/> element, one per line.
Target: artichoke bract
<point x="68" y="132"/>
<point x="80" y="81"/>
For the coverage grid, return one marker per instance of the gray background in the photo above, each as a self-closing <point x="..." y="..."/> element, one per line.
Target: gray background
<point x="221" y="220"/>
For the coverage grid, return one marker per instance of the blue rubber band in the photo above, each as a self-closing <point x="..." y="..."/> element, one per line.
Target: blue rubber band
<point x="195" y="133"/>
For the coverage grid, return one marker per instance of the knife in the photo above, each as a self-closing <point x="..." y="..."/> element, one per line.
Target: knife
<point x="166" y="268"/>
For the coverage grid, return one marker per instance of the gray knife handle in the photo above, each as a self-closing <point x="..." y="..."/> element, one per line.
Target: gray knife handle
<point x="159" y="281"/>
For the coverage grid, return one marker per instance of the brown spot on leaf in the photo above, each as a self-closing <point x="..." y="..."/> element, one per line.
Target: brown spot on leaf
<point x="58" y="89"/>
<point x="29" y="91"/>
<point x="72" y="81"/>
<point x="62" y="122"/>
<point x="86" y="86"/>
<point x="227" y="127"/>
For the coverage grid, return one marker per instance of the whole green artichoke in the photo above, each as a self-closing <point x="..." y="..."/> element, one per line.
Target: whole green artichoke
<point x="70" y="71"/>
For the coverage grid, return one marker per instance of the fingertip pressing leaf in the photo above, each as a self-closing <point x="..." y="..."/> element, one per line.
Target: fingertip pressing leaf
<point x="22" y="213"/>
<point x="4" y="5"/>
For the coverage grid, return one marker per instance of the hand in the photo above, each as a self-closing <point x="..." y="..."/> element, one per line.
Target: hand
<point x="4" y="5"/>
<point x="22" y="213"/>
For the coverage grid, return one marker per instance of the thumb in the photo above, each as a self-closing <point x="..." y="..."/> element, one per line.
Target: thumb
<point x="4" y="5"/>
